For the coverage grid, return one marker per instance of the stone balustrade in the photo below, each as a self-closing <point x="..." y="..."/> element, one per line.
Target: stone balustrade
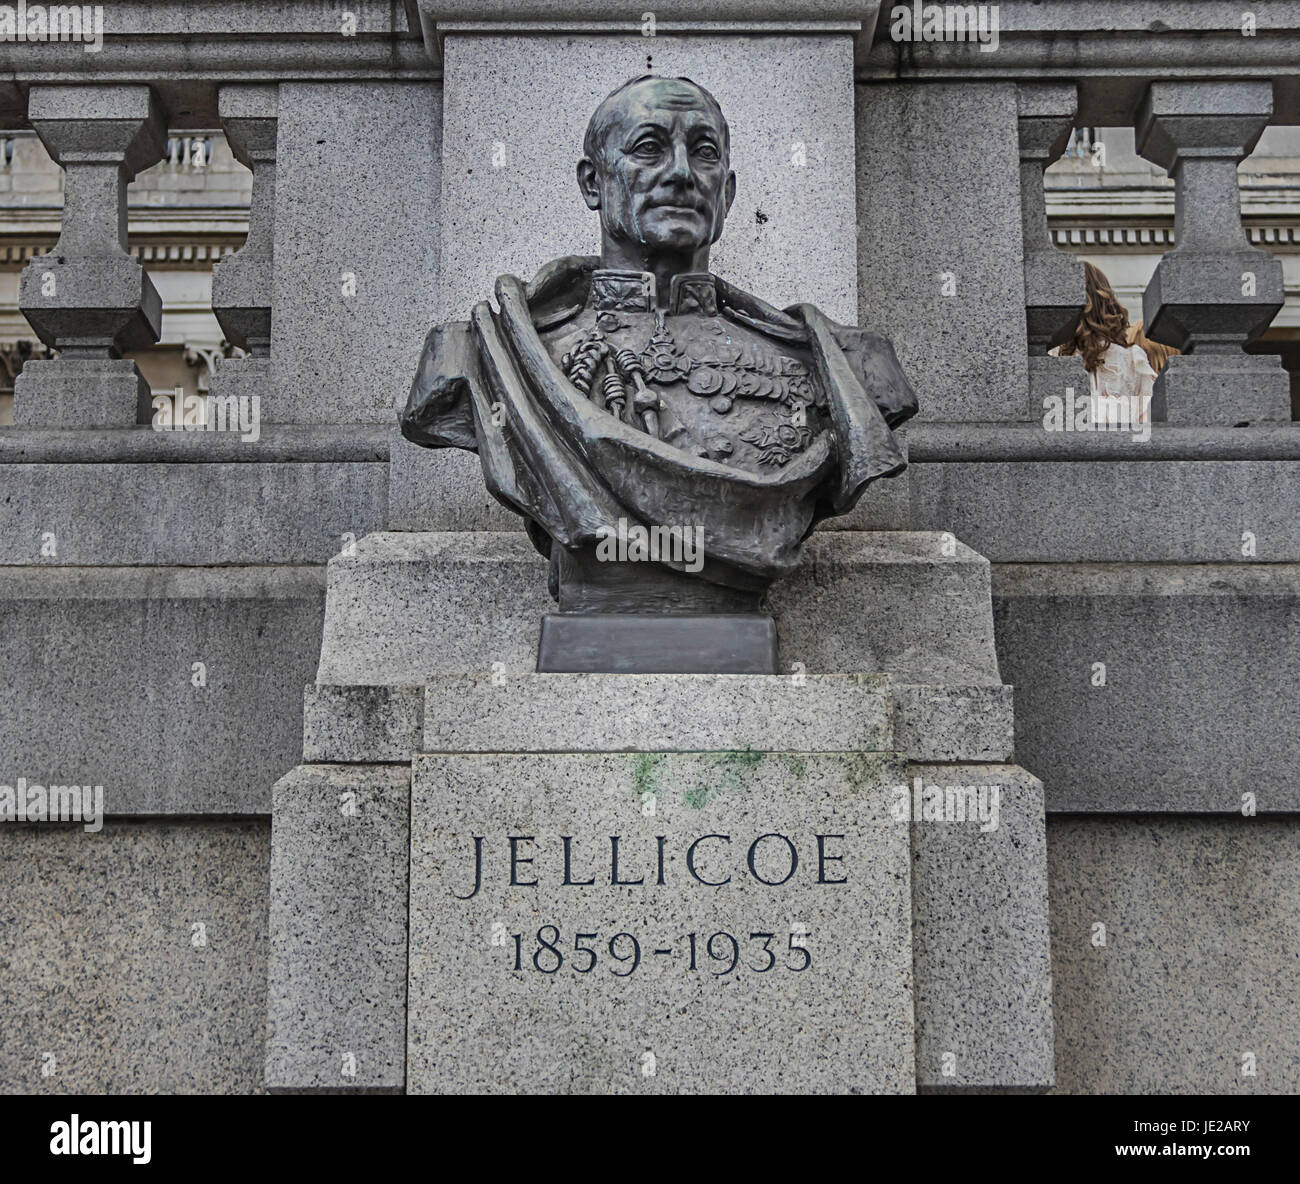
<point x="1211" y="295"/>
<point x="1213" y="292"/>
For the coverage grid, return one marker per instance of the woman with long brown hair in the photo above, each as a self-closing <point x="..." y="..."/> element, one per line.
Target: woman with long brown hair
<point x="1119" y="373"/>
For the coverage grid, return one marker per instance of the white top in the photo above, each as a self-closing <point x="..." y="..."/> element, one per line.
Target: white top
<point x="1120" y="387"/>
<point x="1124" y="370"/>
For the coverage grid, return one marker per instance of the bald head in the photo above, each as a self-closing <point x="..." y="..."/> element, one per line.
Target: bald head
<point x="656" y="165"/>
<point x="645" y="94"/>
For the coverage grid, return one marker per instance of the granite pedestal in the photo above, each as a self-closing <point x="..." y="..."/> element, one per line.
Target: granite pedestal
<point x="881" y="758"/>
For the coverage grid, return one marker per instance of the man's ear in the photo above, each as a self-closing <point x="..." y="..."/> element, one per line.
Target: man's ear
<point x="730" y="190"/>
<point x="589" y="183"/>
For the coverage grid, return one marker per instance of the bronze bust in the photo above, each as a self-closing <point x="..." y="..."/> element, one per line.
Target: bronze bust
<point x="637" y="391"/>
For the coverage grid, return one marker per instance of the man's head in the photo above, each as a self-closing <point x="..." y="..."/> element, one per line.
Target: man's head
<point x="656" y="165"/>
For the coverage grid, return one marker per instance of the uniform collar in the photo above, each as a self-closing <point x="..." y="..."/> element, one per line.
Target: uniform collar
<point x="636" y="291"/>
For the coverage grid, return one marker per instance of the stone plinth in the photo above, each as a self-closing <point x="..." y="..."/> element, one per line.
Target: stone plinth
<point x="405" y="607"/>
<point x="892" y="729"/>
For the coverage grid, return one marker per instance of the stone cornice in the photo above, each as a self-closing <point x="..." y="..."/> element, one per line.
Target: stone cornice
<point x="1149" y="239"/>
<point x="185" y="51"/>
<point x="192" y="253"/>
<point x="1112" y="49"/>
<point x="714" y="18"/>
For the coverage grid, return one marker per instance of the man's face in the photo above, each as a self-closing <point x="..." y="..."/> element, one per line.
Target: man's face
<point x="663" y="178"/>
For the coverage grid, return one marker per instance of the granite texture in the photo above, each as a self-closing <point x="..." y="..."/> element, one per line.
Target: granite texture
<point x="243" y="290"/>
<point x="954" y="723"/>
<point x="1198" y="706"/>
<point x="128" y="514"/>
<point x="389" y="603"/>
<point x="657" y="713"/>
<point x="356" y="195"/>
<point x="914" y="605"/>
<point x="677" y="11"/>
<point x="548" y="713"/>
<point x="843" y="1024"/>
<point x="615" y="713"/>
<point x="1053" y="379"/>
<point x="939" y="210"/>
<point x="337" y="974"/>
<point x="1054" y="280"/>
<point x="98" y="672"/>
<point x="984" y="443"/>
<point x="980" y="937"/>
<point x="243" y="378"/>
<point x="1222" y="389"/>
<point x="348" y="444"/>
<point x="349" y="724"/>
<point x="440" y="489"/>
<point x="135" y="958"/>
<point x="789" y="102"/>
<point x="1199" y="963"/>
<point x="1112" y="511"/>
<point x="80" y="393"/>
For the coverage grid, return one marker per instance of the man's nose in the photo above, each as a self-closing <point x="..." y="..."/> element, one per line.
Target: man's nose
<point x="679" y="165"/>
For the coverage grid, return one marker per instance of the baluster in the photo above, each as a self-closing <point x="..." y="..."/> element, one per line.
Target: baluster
<point x="88" y="298"/>
<point x="1213" y="292"/>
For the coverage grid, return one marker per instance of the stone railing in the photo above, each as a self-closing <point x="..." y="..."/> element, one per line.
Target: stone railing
<point x="104" y="117"/>
<point x="1212" y="292"/>
<point x="1198" y="91"/>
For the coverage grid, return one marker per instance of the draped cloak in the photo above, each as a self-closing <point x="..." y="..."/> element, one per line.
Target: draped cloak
<point x="573" y="470"/>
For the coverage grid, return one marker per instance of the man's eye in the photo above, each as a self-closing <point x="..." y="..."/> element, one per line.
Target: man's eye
<point x="645" y="148"/>
<point x="707" y="151"/>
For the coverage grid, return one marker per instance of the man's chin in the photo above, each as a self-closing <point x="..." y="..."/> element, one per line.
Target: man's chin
<point x="670" y="231"/>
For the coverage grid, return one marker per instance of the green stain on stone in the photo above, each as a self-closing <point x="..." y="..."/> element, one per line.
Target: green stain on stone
<point x="697" y="796"/>
<point x="796" y="764"/>
<point x="728" y="769"/>
<point x="746" y="758"/>
<point x="645" y="773"/>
